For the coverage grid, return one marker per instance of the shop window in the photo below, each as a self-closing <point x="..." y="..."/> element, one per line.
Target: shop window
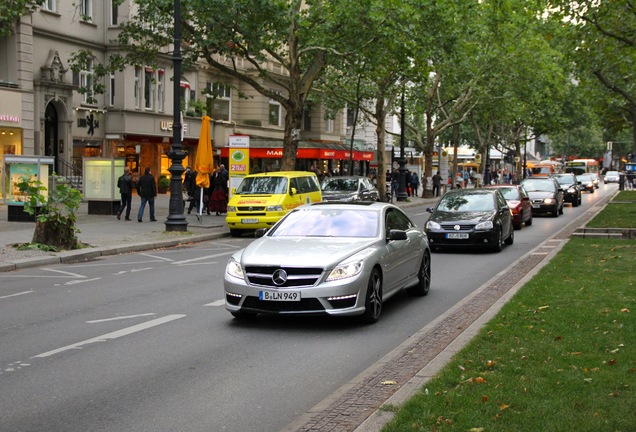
<point x="149" y="89"/>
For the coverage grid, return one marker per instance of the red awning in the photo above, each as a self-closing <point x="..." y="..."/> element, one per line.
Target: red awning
<point x="304" y="153"/>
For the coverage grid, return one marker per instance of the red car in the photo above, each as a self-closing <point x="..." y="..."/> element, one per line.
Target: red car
<point x="519" y="203"/>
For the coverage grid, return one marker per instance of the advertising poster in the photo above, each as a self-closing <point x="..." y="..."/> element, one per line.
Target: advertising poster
<point x="16" y="173"/>
<point x="239" y="166"/>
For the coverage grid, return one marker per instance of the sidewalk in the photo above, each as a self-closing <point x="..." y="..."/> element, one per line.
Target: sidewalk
<point x="108" y="236"/>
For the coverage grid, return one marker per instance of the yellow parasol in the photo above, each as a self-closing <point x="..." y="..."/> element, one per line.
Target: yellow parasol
<point x="203" y="162"/>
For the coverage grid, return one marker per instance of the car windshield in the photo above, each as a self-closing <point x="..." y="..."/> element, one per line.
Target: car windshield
<point x="565" y="179"/>
<point x="538" y="185"/>
<point x="586" y="178"/>
<point x="329" y="222"/>
<point x="262" y="185"/>
<point x="612" y="173"/>
<point x="340" y="184"/>
<point x="475" y="202"/>
<point x="510" y="193"/>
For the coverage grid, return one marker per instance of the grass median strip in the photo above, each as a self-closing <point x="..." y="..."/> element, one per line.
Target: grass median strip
<point x="560" y="355"/>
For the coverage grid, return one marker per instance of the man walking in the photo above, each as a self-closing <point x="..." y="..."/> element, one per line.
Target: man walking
<point x="437" y="182"/>
<point x="125" y="185"/>
<point x="147" y="190"/>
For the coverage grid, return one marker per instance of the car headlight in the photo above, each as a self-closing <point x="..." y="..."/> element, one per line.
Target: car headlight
<point x="483" y="226"/>
<point x="350" y="267"/>
<point x="571" y="190"/>
<point x="549" y="201"/>
<point x="274" y="208"/>
<point x="430" y="225"/>
<point x="231" y="209"/>
<point x="234" y="269"/>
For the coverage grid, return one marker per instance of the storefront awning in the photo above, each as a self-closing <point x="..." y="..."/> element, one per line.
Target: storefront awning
<point x="273" y="149"/>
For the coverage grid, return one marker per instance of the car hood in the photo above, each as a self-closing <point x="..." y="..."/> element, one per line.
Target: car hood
<point x="474" y="217"/>
<point x="302" y="251"/>
<point x="540" y="194"/>
<point x="337" y="195"/>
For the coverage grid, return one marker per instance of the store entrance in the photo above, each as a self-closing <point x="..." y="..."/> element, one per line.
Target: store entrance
<point x="51" y="134"/>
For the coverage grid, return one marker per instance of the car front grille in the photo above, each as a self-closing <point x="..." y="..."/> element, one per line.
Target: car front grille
<point x="250" y="209"/>
<point x="296" y="276"/>
<point x="304" y="305"/>
<point x="451" y="227"/>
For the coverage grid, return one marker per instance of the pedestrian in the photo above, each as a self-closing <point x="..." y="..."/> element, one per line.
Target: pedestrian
<point x="415" y="183"/>
<point x="125" y="185"/>
<point x="437" y="182"/>
<point x="190" y="185"/>
<point x="147" y="190"/>
<point x="218" y="195"/>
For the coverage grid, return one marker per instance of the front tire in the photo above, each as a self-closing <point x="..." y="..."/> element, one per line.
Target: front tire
<point x="511" y="238"/>
<point x="498" y="246"/>
<point x="373" y="302"/>
<point x="529" y="221"/>
<point x="424" y="277"/>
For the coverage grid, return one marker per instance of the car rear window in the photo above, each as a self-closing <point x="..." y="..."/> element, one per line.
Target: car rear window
<point x="467" y="202"/>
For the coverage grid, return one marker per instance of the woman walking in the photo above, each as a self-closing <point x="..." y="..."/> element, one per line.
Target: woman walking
<point x="218" y="197"/>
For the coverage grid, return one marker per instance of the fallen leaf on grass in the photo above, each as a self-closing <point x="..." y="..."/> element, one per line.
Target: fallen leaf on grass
<point x="612" y="362"/>
<point x="613" y="394"/>
<point x="543" y="307"/>
<point x="503" y="407"/>
<point x="480" y="380"/>
<point x="625" y="310"/>
<point x="490" y="363"/>
<point x="476" y="430"/>
<point x="484" y="398"/>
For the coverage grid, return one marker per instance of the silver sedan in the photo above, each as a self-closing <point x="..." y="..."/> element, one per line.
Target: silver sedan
<point x="331" y="259"/>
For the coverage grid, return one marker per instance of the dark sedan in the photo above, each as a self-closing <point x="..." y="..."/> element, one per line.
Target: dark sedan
<point x="349" y="188"/>
<point x="571" y="189"/>
<point x="587" y="182"/>
<point x="470" y="217"/>
<point x="519" y="203"/>
<point x="545" y="194"/>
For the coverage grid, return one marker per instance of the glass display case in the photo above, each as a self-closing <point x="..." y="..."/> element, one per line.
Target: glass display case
<point x="100" y="184"/>
<point x="16" y="169"/>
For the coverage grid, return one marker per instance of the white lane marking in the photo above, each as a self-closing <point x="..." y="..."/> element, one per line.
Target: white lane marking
<point x="106" y="264"/>
<point x="156" y="257"/>
<point x="202" y="258"/>
<point x="75" y="275"/>
<point x="75" y="282"/>
<point x="196" y="264"/>
<point x="216" y="303"/>
<point x="140" y="270"/>
<point x="113" y="335"/>
<point x="16" y="294"/>
<point x="120" y="318"/>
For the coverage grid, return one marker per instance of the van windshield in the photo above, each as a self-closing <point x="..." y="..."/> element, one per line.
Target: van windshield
<point x="262" y="185"/>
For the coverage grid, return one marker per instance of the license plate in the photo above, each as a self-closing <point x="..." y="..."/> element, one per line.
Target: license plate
<point x="536" y="205"/>
<point x="279" y="295"/>
<point x="457" y="235"/>
<point x="249" y="221"/>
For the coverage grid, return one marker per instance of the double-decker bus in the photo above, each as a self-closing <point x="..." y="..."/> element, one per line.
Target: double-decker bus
<point x="581" y="166"/>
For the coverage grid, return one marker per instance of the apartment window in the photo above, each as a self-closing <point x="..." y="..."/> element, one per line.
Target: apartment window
<point x="161" y="90"/>
<point x="307" y="119"/>
<point x="86" y="9"/>
<point x="86" y="82"/>
<point x="149" y="88"/>
<point x="328" y="124"/>
<point x="350" y="115"/>
<point x="185" y="95"/>
<point x="137" y="87"/>
<point x="274" y="112"/>
<point x="49" y="5"/>
<point x="221" y="95"/>
<point x="111" y="90"/>
<point x="114" y="11"/>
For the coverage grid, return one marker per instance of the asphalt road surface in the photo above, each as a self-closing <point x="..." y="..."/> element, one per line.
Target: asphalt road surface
<point x="141" y="342"/>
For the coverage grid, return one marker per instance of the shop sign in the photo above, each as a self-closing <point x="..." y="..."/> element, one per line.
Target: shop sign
<point x="240" y="141"/>
<point x="166" y="126"/>
<point x="10" y="107"/>
<point x="89" y="122"/>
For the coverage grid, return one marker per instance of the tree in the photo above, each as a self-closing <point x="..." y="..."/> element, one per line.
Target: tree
<point x="10" y="13"/>
<point x="238" y="38"/>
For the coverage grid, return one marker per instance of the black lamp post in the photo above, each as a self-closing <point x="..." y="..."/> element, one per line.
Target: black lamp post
<point x="401" y="192"/>
<point x="176" y="220"/>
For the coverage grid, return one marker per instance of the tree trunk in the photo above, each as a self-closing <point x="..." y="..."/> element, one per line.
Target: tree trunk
<point x="59" y="233"/>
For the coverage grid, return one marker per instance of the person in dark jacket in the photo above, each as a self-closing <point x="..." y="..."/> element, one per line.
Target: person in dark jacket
<point x="147" y="190"/>
<point x="125" y="185"/>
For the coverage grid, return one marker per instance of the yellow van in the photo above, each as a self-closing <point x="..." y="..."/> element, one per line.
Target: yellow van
<point x="262" y="199"/>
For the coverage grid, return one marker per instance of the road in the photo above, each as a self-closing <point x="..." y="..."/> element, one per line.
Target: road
<point x="141" y="342"/>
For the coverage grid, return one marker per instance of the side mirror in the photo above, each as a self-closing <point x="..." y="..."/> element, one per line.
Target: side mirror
<point x="505" y="209"/>
<point x="397" y="235"/>
<point x="430" y="209"/>
<point x="260" y="232"/>
<point x="293" y="191"/>
<point x="233" y="191"/>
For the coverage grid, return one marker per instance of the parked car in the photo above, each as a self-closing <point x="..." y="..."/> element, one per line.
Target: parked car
<point x="611" y="177"/>
<point x="571" y="189"/>
<point x="586" y="182"/>
<point x="545" y="194"/>
<point x="469" y="218"/>
<point x="519" y="203"/>
<point x="349" y="188"/>
<point x="329" y="258"/>
<point x="596" y="180"/>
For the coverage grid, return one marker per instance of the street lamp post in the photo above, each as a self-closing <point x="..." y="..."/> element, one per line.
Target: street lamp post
<point x="401" y="192"/>
<point x="176" y="220"/>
